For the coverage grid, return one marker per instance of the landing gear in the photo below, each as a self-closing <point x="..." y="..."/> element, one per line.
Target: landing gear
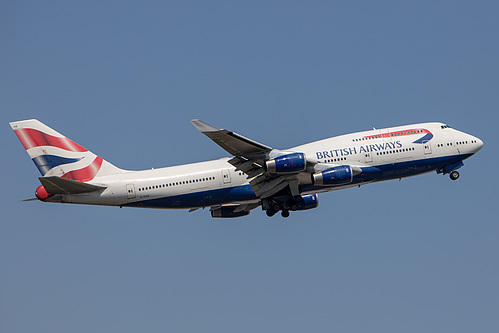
<point x="273" y="207"/>
<point x="270" y="212"/>
<point x="287" y="204"/>
<point x="454" y="175"/>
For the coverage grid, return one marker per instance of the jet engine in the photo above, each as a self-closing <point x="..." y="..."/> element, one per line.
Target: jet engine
<point x="294" y="162"/>
<point x="308" y="202"/>
<point x="335" y="176"/>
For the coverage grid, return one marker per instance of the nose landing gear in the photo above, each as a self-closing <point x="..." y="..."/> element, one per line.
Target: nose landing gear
<point x="454" y="175"/>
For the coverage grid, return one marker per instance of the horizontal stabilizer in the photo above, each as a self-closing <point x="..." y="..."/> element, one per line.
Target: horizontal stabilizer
<point x="32" y="199"/>
<point x="58" y="185"/>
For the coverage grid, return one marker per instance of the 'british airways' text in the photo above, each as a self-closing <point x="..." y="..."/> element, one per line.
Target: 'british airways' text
<point x="354" y="150"/>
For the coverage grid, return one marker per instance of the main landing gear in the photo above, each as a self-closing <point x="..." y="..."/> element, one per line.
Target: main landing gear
<point x="272" y="212"/>
<point x="454" y="175"/>
<point x="275" y="208"/>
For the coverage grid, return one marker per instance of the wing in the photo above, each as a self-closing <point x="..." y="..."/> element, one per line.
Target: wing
<point x="251" y="158"/>
<point x="233" y="143"/>
<point x="279" y="178"/>
<point x="249" y="155"/>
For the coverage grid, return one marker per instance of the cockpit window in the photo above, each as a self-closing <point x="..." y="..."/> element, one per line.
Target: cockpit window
<point x="445" y="126"/>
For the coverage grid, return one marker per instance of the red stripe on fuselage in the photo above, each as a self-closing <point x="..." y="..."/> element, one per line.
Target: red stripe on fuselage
<point x="87" y="173"/>
<point x="31" y="138"/>
<point x="399" y="133"/>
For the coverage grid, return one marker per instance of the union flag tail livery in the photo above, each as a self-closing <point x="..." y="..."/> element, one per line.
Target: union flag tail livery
<point x="255" y="176"/>
<point x="56" y="155"/>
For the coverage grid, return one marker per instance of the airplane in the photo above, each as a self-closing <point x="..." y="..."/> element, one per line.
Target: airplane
<point x="255" y="176"/>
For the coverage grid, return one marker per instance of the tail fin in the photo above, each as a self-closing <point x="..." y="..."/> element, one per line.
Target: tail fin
<point x="56" y="155"/>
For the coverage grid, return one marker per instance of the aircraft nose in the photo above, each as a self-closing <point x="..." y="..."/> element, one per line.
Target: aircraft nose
<point x="479" y="144"/>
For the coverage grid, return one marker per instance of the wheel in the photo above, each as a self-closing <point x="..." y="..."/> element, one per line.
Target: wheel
<point x="276" y="208"/>
<point x="285" y="213"/>
<point x="454" y="175"/>
<point x="270" y="212"/>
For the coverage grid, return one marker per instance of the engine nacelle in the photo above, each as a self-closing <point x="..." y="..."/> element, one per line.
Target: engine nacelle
<point x="308" y="202"/>
<point x="227" y="212"/>
<point x="335" y="176"/>
<point x="42" y="194"/>
<point x="294" y="162"/>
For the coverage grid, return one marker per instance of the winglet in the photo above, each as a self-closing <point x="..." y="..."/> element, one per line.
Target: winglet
<point x="203" y="127"/>
<point x="233" y="143"/>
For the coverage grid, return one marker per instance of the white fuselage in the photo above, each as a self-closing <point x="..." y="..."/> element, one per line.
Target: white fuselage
<point x="395" y="151"/>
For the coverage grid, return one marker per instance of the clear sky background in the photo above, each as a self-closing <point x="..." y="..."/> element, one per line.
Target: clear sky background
<point x="124" y="78"/>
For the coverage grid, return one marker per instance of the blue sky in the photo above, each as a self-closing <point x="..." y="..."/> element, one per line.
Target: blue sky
<point x="123" y="79"/>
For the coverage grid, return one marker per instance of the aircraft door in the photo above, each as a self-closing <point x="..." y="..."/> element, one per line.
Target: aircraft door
<point x="385" y="134"/>
<point x="226" y="176"/>
<point x="130" y="189"/>
<point x="427" y="147"/>
<point x="368" y="157"/>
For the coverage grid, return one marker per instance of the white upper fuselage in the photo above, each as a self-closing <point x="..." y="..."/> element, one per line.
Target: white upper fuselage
<point x="391" y="145"/>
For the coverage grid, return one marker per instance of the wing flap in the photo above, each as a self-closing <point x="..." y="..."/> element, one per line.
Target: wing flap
<point x="58" y="185"/>
<point x="230" y="211"/>
<point x="249" y="167"/>
<point x="246" y="207"/>
<point x="265" y="187"/>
